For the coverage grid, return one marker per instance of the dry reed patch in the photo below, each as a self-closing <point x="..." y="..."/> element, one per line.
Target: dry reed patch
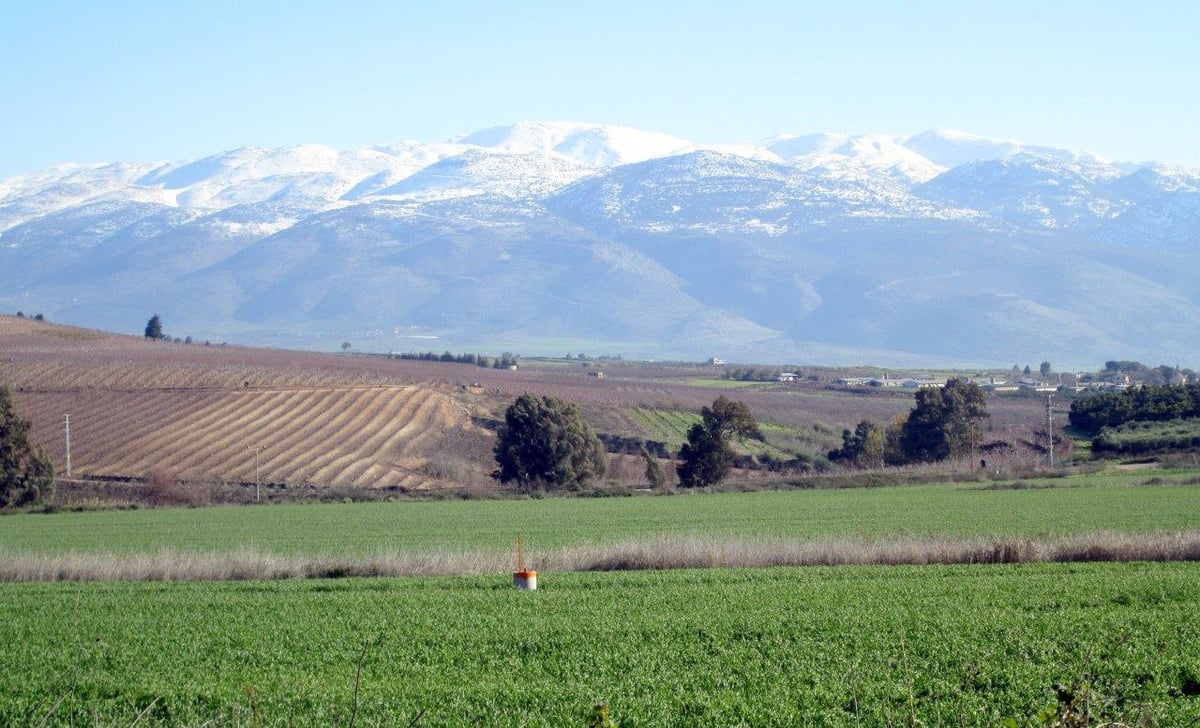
<point x="667" y="552"/>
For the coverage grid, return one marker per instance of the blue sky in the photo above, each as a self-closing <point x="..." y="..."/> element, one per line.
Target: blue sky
<point x="91" y="81"/>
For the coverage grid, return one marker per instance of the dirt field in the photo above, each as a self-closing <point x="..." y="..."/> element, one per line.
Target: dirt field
<point x="198" y="412"/>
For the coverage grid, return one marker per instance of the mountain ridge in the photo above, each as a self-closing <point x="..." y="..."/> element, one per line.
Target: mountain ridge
<point x="821" y="248"/>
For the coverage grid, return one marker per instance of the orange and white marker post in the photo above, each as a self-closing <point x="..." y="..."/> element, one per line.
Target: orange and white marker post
<point x="523" y="578"/>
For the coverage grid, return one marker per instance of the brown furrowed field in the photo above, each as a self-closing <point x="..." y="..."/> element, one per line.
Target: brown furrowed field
<point x="195" y="412"/>
<point x="338" y="435"/>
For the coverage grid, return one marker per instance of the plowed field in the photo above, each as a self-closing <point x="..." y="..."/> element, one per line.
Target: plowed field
<point x="362" y="436"/>
<point x="200" y="413"/>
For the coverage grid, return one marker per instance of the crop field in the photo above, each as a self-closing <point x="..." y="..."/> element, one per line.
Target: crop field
<point x="194" y="411"/>
<point x="1139" y="438"/>
<point x="1116" y="503"/>
<point x="667" y="426"/>
<point x="1088" y="644"/>
<point x="362" y="436"/>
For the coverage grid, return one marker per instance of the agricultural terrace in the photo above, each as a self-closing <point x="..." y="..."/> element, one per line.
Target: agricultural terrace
<point x="196" y="412"/>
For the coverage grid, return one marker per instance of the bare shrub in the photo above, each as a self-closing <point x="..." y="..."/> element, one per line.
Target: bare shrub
<point x="628" y="470"/>
<point x="162" y="488"/>
<point x="453" y="468"/>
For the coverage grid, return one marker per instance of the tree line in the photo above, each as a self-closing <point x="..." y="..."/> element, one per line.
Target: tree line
<point x="545" y="442"/>
<point x="504" y="361"/>
<point x="1139" y="372"/>
<point x="1149" y="403"/>
<point x="1144" y="438"/>
<point x="944" y="423"/>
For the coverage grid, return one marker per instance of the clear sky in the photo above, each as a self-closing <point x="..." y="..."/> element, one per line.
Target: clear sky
<point x="140" y="81"/>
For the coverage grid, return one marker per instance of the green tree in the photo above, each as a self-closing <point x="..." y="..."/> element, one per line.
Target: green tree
<point x="862" y="448"/>
<point x="1045" y="369"/>
<point x="944" y="423"/>
<point x="154" y="328"/>
<point x="893" y="437"/>
<point x="707" y="456"/>
<point x="546" y="442"/>
<point x="26" y="474"/>
<point x="654" y="472"/>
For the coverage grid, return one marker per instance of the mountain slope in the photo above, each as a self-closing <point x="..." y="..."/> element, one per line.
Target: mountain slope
<point x="940" y="247"/>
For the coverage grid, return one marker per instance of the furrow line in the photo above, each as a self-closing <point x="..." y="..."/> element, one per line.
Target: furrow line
<point x="375" y="449"/>
<point x="328" y="468"/>
<point x="161" y="448"/>
<point x="188" y="446"/>
<point x="258" y="425"/>
<point x="291" y="457"/>
<point x="111" y="440"/>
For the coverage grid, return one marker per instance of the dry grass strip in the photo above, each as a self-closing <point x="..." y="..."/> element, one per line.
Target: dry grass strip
<point x="667" y="552"/>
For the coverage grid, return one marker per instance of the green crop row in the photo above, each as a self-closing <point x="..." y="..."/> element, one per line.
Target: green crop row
<point x="1138" y="438"/>
<point x="669" y="426"/>
<point x="849" y="646"/>
<point x="1059" y="506"/>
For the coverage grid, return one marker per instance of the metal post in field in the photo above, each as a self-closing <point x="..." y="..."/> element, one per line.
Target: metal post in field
<point x="67" y="428"/>
<point x="257" y="482"/>
<point x="1050" y="427"/>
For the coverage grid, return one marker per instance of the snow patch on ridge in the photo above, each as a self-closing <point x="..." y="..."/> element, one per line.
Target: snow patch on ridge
<point x="587" y="145"/>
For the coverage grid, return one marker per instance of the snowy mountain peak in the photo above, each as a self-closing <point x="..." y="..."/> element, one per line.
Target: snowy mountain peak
<point x="588" y="145"/>
<point x="482" y="171"/>
<point x="942" y="244"/>
<point x="537" y="158"/>
<point x="855" y="156"/>
<point x="790" y="146"/>
<point x="951" y="148"/>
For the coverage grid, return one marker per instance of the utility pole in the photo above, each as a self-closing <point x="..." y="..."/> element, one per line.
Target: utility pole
<point x="67" y="428"/>
<point x="1050" y="427"/>
<point x="257" y="483"/>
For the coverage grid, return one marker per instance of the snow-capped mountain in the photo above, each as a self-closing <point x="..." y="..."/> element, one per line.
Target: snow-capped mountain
<point x="858" y="157"/>
<point x="949" y="148"/>
<point x="824" y="247"/>
<point x="478" y="171"/>
<point x="586" y="145"/>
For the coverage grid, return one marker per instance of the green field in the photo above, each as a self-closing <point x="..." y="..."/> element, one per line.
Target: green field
<point x="849" y="646"/>
<point x="1056" y="507"/>
<point x="1140" y="438"/>
<point x="669" y="426"/>
<point x="722" y="383"/>
<point x="843" y="646"/>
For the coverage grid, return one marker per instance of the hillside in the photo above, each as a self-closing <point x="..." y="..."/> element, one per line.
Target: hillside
<point x="197" y="411"/>
<point x="541" y="237"/>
